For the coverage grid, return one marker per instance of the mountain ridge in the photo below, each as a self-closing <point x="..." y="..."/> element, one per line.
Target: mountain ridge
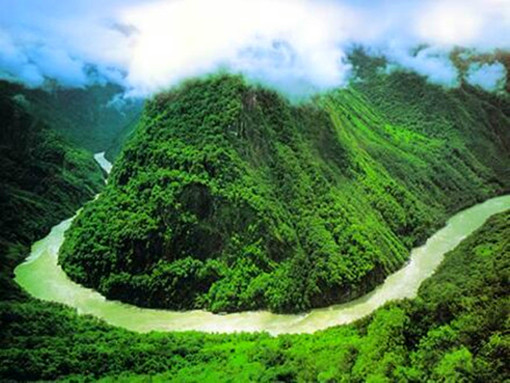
<point x="210" y="203"/>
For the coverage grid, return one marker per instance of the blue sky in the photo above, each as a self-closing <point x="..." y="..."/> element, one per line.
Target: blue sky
<point x="297" y="46"/>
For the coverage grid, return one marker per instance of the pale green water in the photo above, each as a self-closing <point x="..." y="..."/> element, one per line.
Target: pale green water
<point x="103" y="162"/>
<point x="40" y="276"/>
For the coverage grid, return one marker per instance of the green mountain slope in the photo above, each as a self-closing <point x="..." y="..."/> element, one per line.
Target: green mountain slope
<point x="230" y="198"/>
<point x="43" y="179"/>
<point x="456" y="330"/>
<point x="89" y="117"/>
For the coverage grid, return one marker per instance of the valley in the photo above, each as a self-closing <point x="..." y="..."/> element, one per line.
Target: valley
<point x="229" y="198"/>
<point x="360" y="234"/>
<point x="43" y="278"/>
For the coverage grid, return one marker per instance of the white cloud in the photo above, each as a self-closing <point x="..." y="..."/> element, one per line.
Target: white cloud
<point x="280" y="41"/>
<point x="432" y="62"/>
<point x="482" y="24"/>
<point x="449" y="23"/>
<point x="298" y="46"/>
<point x="60" y="40"/>
<point x="15" y="65"/>
<point x="490" y="77"/>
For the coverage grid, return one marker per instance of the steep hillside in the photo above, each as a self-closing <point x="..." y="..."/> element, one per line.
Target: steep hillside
<point x="122" y="137"/>
<point x="230" y="198"/>
<point x="43" y="180"/>
<point x="91" y="118"/>
<point x="465" y="115"/>
<point x="456" y="330"/>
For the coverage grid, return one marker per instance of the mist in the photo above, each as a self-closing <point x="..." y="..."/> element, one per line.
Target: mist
<point x="298" y="47"/>
<point x="490" y="77"/>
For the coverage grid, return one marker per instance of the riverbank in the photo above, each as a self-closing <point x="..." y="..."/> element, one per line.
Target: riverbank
<point x="42" y="277"/>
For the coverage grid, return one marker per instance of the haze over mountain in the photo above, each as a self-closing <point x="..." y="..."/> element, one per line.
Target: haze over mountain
<point x="92" y="118"/>
<point x="298" y="47"/>
<point x="281" y="156"/>
<point x="232" y="199"/>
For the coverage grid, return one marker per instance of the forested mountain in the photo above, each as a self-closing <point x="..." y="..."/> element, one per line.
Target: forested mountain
<point x="209" y="191"/>
<point x="43" y="177"/>
<point x="228" y="197"/>
<point x="396" y="154"/>
<point x="92" y="118"/>
<point x="456" y="330"/>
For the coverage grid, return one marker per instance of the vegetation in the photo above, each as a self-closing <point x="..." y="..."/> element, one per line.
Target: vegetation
<point x="229" y="198"/>
<point x="455" y="331"/>
<point x="93" y="118"/>
<point x="43" y="180"/>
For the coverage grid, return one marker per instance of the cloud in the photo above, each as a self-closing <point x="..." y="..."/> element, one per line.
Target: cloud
<point x="61" y="41"/>
<point x="489" y="77"/>
<point x="482" y="24"/>
<point x="285" y="43"/>
<point x="15" y="65"/>
<point x="431" y="62"/>
<point x="281" y="42"/>
<point x="296" y="46"/>
<point x="398" y="28"/>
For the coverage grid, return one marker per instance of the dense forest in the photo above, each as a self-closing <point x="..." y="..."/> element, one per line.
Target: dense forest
<point x="94" y="118"/>
<point x="228" y="197"/>
<point x="456" y="330"/>
<point x="272" y="191"/>
<point x="44" y="178"/>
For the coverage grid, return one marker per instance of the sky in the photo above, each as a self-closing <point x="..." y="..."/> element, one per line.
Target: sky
<point x="296" y="46"/>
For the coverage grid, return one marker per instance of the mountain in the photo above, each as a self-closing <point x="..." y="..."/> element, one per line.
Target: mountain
<point x="230" y="198"/>
<point x="93" y="118"/>
<point x="456" y="330"/>
<point x="44" y="179"/>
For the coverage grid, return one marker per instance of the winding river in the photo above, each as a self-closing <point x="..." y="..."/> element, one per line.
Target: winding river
<point x="43" y="278"/>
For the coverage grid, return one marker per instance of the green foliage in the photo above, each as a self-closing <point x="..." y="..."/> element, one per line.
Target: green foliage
<point x="43" y="179"/>
<point x="409" y="341"/>
<point x="229" y="198"/>
<point x="94" y="118"/>
<point x="456" y="330"/>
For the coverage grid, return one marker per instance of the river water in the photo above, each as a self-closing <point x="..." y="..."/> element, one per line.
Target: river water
<point x="42" y="277"/>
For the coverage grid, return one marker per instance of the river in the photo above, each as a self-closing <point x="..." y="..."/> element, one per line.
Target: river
<point x="42" y="277"/>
